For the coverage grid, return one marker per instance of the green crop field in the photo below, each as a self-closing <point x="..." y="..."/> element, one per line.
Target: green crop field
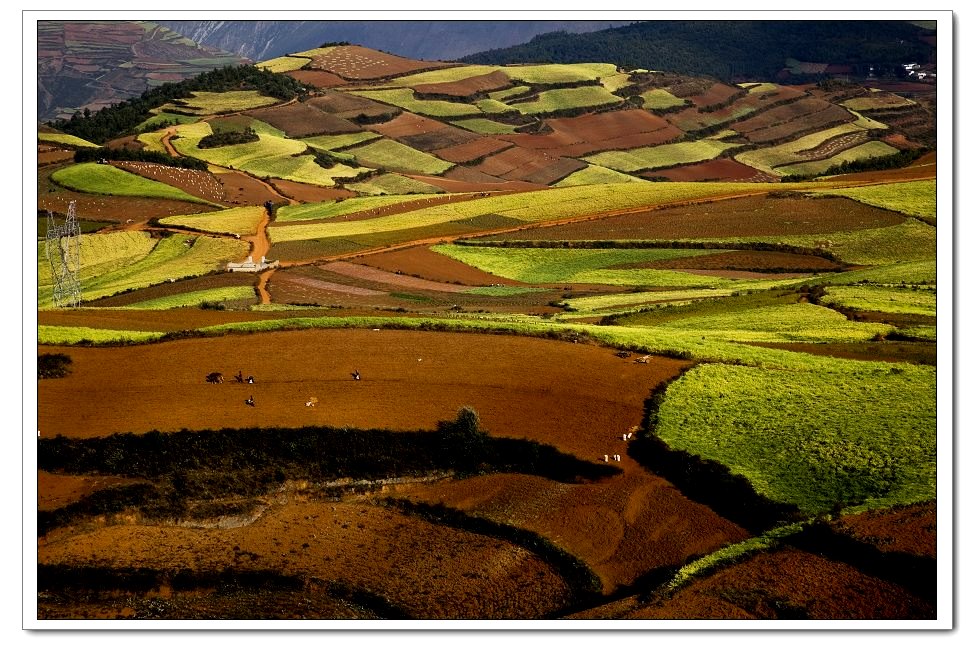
<point x="615" y="300"/>
<point x="872" y="149"/>
<point x="54" y="335"/>
<point x="241" y="221"/>
<point x="546" y="265"/>
<point x="161" y="118"/>
<point x="284" y="63"/>
<point x="442" y="75"/>
<point x="484" y="126"/>
<point x="660" y="99"/>
<point x="195" y="298"/>
<point x="389" y="154"/>
<point x="913" y="273"/>
<point x="594" y="174"/>
<point x="660" y="157"/>
<point x="884" y="299"/>
<point x="94" y="178"/>
<point x="334" y="142"/>
<point x="493" y="107"/>
<point x="152" y="141"/>
<point x="555" y="73"/>
<point x="559" y="99"/>
<point x="767" y="158"/>
<point x="916" y="198"/>
<point x="614" y="82"/>
<point x="856" y="435"/>
<point x="207" y="103"/>
<point x="501" y="95"/>
<point x="403" y="97"/>
<point x="886" y="101"/>
<point x="392" y="184"/>
<point x="64" y="138"/>
<point x="329" y="209"/>
<point x="100" y="253"/>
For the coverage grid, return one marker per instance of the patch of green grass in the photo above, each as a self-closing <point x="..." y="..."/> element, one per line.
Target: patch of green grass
<point x="329" y="209"/>
<point x="100" y="253"/>
<point x="907" y="272"/>
<point x="64" y="138"/>
<point x="501" y="95"/>
<point x="284" y="63"/>
<point x="594" y="174"/>
<point x="559" y="99"/>
<point x="872" y="149"/>
<point x="816" y="440"/>
<point x="340" y="141"/>
<point x="94" y="178"/>
<point x="892" y="300"/>
<point x="614" y="82"/>
<point x="554" y="73"/>
<point x="207" y="103"/>
<point x="54" y="335"/>
<point x="389" y="154"/>
<point x="613" y="300"/>
<point x="493" y="107"/>
<point x="392" y="184"/>
<point x="590" y="266"/>
<point x="871" y="102"/>
<point x="916" y="198"/>
<point x="404" y="98"/>
<point x="661" y="156"/>
<point x="484" y="126"/>
<point x="152" y="141"/>
<point x="660" y="99"/>
<point x="195" y="298"/>
<point x="241" y="221"/>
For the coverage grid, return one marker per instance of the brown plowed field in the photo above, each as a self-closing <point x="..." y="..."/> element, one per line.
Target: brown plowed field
<point x="903" y="529"/>
<point x="465" y="179"/>
<point x="406" y="124"/>
<point x="788" y="120"/>
<point x="198" y="183"/>
<point x="472" y="150"/>
<point x="440" y="139"/>
<point x="778" y="584"/>
<point x="350" y="106"/>
<point x="763" y="261"/>
<point x="716" y="94"/>
<point x="833" y="146"/>
<point x="332" y="287"/>
<point x="50" y="155"/>
<point x="358" y="63"/>
<point x="58" y="490"/>
<point x="317" y="78"/>
<point x="467" y="87"/>
<point x="371" y="274"/>
<point x="721" y="169"/>
<point x="621" y="528"/>
<point x="242" y="189"/>
<point x="442" y="572"/>
<point x="520" y="164"/>
<point x="155" y="320"/>
<point x="174" y="288"/>
<point x="924" y="167"/>
<point x="577" y="397"/>
<point x="578" y="136"/>
<point x="306" y="193"/>
<point x="742" y="217"/>
<point x="889" y="351"/>
<point x="423" y="262"/>
<point x="302" y="120"/>
<point x="101" y="207"/>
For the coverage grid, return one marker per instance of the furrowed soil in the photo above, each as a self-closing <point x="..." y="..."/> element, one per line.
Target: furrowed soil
<point x="305" y="193"/>
<point x="723" y="169"/>
<point x="575" y="396"/>
<point x="422" y="262"/>
<point x="742" y="217"/>
<point x="904" y="529"/>
<point x="889" y="351"/>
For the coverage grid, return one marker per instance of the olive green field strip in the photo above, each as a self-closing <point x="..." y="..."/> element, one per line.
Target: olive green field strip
<point x="240" y="294"/>
<point x="878" y="101"/>
<point x="94" y="178"/>
<point x="596" y="175"/>
<point x="661" y="156"/>
<point x="916" y="198"/>
<point x="484" y="126"/>
<point x="392" y="155"/>
<point x="560" y="99"/>
<point x="386" y="184"/>
<point x="284" y="63"/>
<point x="207" y="103"/>
<point x="64" y="138"/>
<point x="865" y="151"/>
<point x="330" y="209"/>
<point x="660" y="99"/>
<point x="553" y="73"/>
<point x="234" y="221"/>
<point x="340" y="141"/>
<point x="166" y="119"/>
<point x="816" y="440"/>
<point x="893" y="300"/>
<point x="767" y="159"/>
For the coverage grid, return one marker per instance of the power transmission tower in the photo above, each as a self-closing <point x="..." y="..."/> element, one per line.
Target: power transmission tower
<point x="63" y="247"/>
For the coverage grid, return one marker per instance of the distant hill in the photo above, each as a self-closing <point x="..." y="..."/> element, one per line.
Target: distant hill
<point x="422" y="39"/>
<point x="730" y="49"/>
<point x="92" y="64"/>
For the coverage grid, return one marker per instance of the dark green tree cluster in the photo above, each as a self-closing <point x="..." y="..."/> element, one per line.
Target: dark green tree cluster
<point x="124" y="117"/>
<point x="143" y="155"/>
<point x="731" y="49"/>
<point x="224" y="138"/>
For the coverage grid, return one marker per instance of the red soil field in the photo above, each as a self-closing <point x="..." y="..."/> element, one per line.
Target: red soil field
<point x="107" y="208"/>
<point x="471" y="151"/>
<point x="317" y="78"/>
<point x="386" y="277"/>
<point x="243" y="189"/>
<point x="323" y="285"/>
<point x="306" y="193"/>
<point x="198" y="183"/>
<point x="465" y="179"/>
<point x="467" y="87"/>
<point x="127" y="142"/>
<point x="788" y="120"/>
<point x="714" y="95"/>
<point x="745" y="261"/>
<point x="51" y="155"/>
<point x="302" y="120"/>
<point x="166" y="320"/>
<point x="721" y="169"/>
<point x="621" y="527"/>
<point x="522" y="387"/>
<point x="518" y="163"/>
<point x="789" y="579"/>
<point x="578" y="136"/>
<point x="889" y="351"/>
<point x="903" y="529"/>
<point x="358" y="63"/>
<point x="175" y="288"/>
<point x="350" y="106"/>
<point x="442" y="572"/>
<point x="727" y="218"/>
<point x="406" y="124"/>
<point x="424" y="263"/>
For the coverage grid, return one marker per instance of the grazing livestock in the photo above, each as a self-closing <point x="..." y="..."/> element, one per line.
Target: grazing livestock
<point x="239" y="377"/>
<point x="249" y="401"/>
<point x="355" y="375"/>
<point x="215" y="378"/>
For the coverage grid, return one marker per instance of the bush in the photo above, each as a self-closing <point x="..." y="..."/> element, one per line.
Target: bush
<point x="53" y="366"/>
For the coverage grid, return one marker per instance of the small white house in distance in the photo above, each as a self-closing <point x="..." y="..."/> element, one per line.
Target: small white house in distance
<point x="249" y="266"/>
